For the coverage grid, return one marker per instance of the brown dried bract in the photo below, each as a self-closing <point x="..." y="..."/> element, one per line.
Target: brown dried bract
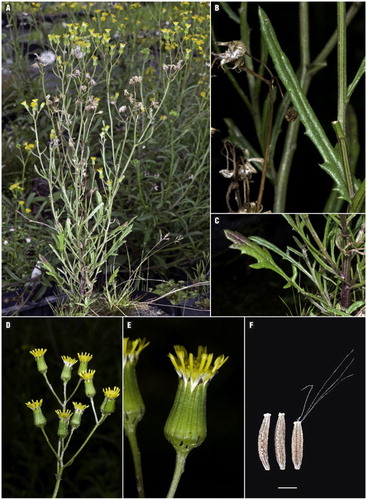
<point x="291" y="114"/>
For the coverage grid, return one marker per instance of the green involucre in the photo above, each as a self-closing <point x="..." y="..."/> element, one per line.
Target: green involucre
<point x="185" y="428"/>
<point x="134" y="407"/>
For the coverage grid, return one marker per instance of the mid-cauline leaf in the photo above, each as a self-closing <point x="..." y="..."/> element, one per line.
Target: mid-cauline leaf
<point x="332" y="162"/>
<point x="263" y="256"/>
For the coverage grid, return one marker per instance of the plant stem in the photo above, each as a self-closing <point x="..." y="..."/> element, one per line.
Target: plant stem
<point x="131" y="436"/>
<point x="57" y="484"/>
<point x="320" y="60"/>
<point x="347" y="258"/>
<point x="52" y="389"/>
<point x="281" y="184"/>
<point x="48" y="442"/>
<point x="179" y="469"/>
<point x="342" y="64"/>
<point x="94" y="410"/>
<point x="338" y="127"/>
<point x="100" y="421"/>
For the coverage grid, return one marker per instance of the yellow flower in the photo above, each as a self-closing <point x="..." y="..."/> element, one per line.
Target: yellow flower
<point x="195" y="369"/>
<point x="64" y="421"/>
<point x="88" y="374"/>
<point x="80" y="407"/>
<point x="84" y="359"/>
<point x="132" y="350"/>
<point x="38" y="417"/>
<point x="112" y="393"/>
<point x="68" y="361"/>
<point x="38" y="355"/>
<point x="186" y="425"/>
<point x="79" y="410"/>
<point x="34" y="405"/>
<point x="16" y="186"/>
<point x="65" y="415"/>
<point x="109" y="403"/>
<point x="68" y="366"/>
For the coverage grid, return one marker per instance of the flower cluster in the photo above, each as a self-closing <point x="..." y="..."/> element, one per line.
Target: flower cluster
<point x="66" y="416"/>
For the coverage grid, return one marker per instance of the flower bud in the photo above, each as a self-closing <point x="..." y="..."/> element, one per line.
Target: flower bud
<point x="38" y="416"/>
<point x="40" y="360"/>
<point x="109" y="402"/>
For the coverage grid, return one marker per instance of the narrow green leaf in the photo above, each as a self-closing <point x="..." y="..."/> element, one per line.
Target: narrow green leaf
<point x="231" y="14"/>
<point x="93" y="212"/>
<point x="332" y="163"/>
<point x="358" y="201"/>
<point x="361" y="71"/>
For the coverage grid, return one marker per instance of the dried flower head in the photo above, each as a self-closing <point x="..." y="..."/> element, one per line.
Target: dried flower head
<point x="135" y="79"/>
<point x="77" y="52"/>
<point x="46" y="58"/>
<point x="235" y="54"/>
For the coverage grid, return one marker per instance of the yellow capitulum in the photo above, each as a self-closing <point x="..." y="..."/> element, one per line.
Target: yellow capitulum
<point x="196" y="369"/>
<point x="132" y="349"/>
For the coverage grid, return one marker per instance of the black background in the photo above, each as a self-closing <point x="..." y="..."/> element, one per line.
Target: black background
<point x="28" y="463"/>
<point x="283" y="355"/>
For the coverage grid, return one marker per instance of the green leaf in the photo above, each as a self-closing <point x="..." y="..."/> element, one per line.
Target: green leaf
<point x="358" y="201"/>
<point x="361" y="71"/>
<point x="263" y="256"/>
<point x="231" y="14"/>
<point x="360" y="304"/>
<point x="332" y="163"/>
